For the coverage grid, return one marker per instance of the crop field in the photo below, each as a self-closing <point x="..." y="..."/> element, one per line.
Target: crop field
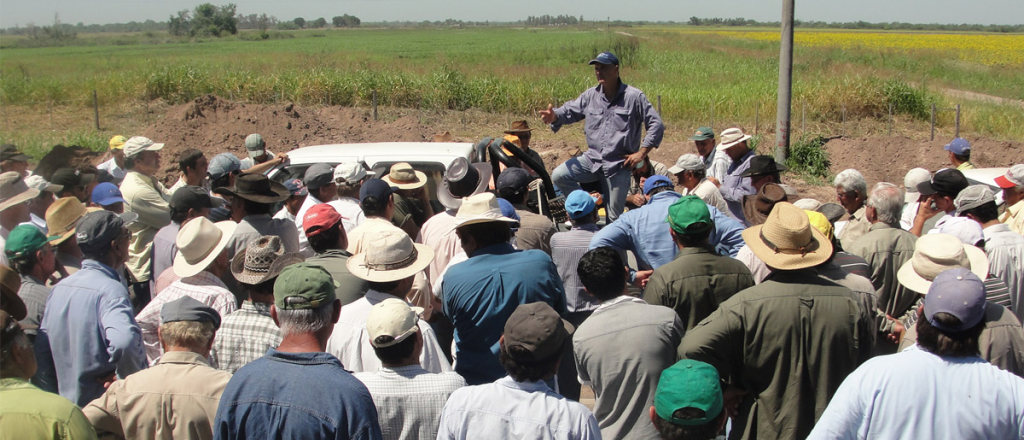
<point x="699" y="73"/>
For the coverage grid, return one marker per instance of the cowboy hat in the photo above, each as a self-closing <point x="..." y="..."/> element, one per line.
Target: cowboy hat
<point x="403" y="176"/>
<point x="199" y="242"/>
<point x="10" y="283"/>
<point x="463" y="179"/>
<point x="257" y="188"/>
<point x="730" y="137"/>
<point x="519" y="127"/>
<point x="262" y="260"/>
<point x="14" y="190"/>
<point x="389" y="255"/>
<point x="756" y="207"/>
<point x="480" y="208"/>
<point x="62" y="216"/>
<point x="761" y="165"/>
<point x="935" y="253"/>
<point x="786" y="240"/>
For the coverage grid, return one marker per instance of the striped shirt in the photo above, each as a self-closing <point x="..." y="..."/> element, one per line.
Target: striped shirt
<point x="409" y="399"/>
<point x="567" y="248"/>
<point x="244" y="336"/>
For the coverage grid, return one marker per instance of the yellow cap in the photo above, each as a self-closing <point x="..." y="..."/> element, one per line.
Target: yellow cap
<point x="117" y="142"/>
<point x="820" y="222"/>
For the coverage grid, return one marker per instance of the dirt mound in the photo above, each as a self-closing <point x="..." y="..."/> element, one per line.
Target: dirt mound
<point x="216" y="125"/>
<point x="61" y="156"/>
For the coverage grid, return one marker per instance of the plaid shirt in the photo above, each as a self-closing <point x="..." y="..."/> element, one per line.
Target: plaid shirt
<point x="244" y="336"/>
<point x="203" y="287"/>
<point x="409" y="399"/>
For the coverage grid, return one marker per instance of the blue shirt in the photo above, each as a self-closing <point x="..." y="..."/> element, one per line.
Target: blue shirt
<point x="735" y="186"/>
<point x="87" y="333"/>
<point x="613" y="128"/>
<point x="295" y="396"/>
<point x="915" y="394"/>
<point x="645" y="232"/>
<point x="480" y="294"/>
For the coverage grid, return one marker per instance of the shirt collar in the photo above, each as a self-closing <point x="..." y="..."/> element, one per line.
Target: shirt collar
<point x="665" y="195"/>
<point x="495" y="249"/>
<point x="529" y="387"/>
<point x="587" y="227"/>
<point x="100" y="267"/>
<point x="306" y="358"/>
<point x="691" y="251"/>
<point x="261" y="308"/>
<point x="622" y="90"/>
<point x="183" y="357"/>
<point x="618" y="300"/>
<point x="341" y="252"/>
<point x="14" y="383"/>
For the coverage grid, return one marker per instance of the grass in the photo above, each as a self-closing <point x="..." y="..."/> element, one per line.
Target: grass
<point x="515" y="70"/>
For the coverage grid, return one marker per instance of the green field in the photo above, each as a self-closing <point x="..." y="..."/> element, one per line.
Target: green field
<point x="516" y="70"/>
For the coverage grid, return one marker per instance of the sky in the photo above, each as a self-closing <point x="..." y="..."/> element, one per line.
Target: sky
<point x="41" y="12"/>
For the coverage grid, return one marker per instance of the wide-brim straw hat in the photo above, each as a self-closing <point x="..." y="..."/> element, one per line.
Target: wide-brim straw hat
<point x="936" y="253"/>
<point x="480" y="208"/>
<point x="62" y="216"/>
<point x="199" y="242"/>
<point x="389" y="256"/>
<point x="730" y="137"/>
<point x="255" y="263"/>
<point x="403" y="176"/>
<point x="786" y="240"/>
<point x="465" y="178"/>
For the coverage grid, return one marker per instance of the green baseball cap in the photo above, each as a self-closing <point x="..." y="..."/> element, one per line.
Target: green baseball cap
<point x="689" y="393"/>
<point x="689" y="215"/>
<point x="24" y="240"/>
<point x="703" y="134"/>
<point x="303" y="286"/>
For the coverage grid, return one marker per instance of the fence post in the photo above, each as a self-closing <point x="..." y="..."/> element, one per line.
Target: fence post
<point x="803" y="118"/>
<point x="96" y="109"/>
<point x="659" y="105"/>
<point x="844" y="119"/>
<point x="957" y="120"/>
<point x="51" y="114"/>
<point x="757" y="117"/>
<point x="933" y="121"/>
<point x="890" y="119"/>
<point x="375" y="105"/>
<point x="712" y="116"/>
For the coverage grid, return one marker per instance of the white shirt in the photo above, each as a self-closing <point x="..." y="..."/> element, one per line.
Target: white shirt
<point x="915" y="394"/>
<point x="520" y="410"/>
<point x="350" y="211"/>
<point x="350" y="342"/>
<point x="111" y="167"/>
<point x="709" y="193"/>
<point x="284" y="214"/>
<point x="1005" y="251"/>
<point x="304" y="248"/>
<point x="409" y="399"/>
<point x="35" y="220"/>
<point x="909" y="214"/>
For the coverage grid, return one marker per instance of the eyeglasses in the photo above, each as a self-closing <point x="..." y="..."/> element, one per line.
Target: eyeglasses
<point x="126" y="233"/>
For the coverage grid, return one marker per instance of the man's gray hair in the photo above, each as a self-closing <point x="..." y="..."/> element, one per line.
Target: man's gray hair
<point x="304" y="321"/>
<point x="887" y="199"/>
<point x="851" y="180"/>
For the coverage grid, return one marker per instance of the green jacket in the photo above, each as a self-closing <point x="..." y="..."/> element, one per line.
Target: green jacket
<point x="789" y="342"/>
<point x="29" y="412"/>
<point x="886" y="248"/>
<point x="695" y="282"/>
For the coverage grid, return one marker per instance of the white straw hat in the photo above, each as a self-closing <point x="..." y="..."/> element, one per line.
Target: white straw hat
<point x="389" y="255"/>
<point x="480" y="208"/>
<point x="730" y="137"/>
<point x="199" y="242"/>
<point x="935" y="253"/>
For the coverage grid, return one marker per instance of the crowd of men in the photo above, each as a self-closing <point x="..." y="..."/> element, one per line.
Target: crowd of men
<point x="345" y="304"/>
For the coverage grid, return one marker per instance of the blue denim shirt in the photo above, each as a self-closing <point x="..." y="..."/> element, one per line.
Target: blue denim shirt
<point x="735" y="186"/>
<point x="645" y="232"/>
<point x="295" y="396"/>
<point x="480" y="294"/>
<point x="87" y="333"/>
<point x="613" y="128"/>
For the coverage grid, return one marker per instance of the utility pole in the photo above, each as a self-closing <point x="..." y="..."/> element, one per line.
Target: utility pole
<point x="785" y="83"/>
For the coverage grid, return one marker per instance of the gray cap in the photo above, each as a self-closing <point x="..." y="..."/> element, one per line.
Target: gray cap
<point x="254" y="145"/>
<point x="687" y="162"/>
<point x="318" y="175"/>
<point x="187" y="308"/>
<point x="958" y="292"/>
<point x="832" y="211"/>
<point x="95" y="230"/>
<point x="972" y="197"/>
<point x="223" y="164"/>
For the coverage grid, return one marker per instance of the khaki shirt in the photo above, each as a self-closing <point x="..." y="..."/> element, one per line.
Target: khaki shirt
<point x="1001" y="343"/>
<point x="175" y="399"/>
<point x="148" y="198"/>
<point x="856" y="226"/>
<point x="1014" y="216"/>
<point x="534" y="232"/>
<point x="789" y="341"/>
<point x="886" y="248"/>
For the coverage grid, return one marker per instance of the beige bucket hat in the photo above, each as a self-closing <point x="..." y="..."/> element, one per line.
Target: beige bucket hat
<point x="935" y="253"/>
<point x="14" y="190"/>
<point x="730" y="137"/>
<point x="480" y="208"/>
<point x="403" y="176"/>
<point x="390" y="255"/>
<point x="786" y="240"/>
<point x="199" y="243"/>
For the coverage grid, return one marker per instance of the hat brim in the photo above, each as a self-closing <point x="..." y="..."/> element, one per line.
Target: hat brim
<point x="1004" y="183"/>
<point x="110" y="201"/>
<point x="421" y="180"/>
<point x="723" y="146"/>
<point x="460" y="222"/>
<point x="154" y="147"/>
<point x="751" y="173"/>
<point x="750" y="212"/>
<point x="53" y="188"/>
<point x="252" y="278"/>
<point x="19" y="198"/>
<point x="909" y="278"/>
<point x="356" y="265"/>
<point x="58" y="239"/>
<point x="700" y="138"/>
<point x="675" y="169"/>
<point x="276" y="194"/>
<point x="450" y="201"/>
<point x="15" y="305"/>
<point x="183" y="269"/>
<point x="521" y="130"/>
<point x="911" y="197"/>
<point x="782" y="261"/>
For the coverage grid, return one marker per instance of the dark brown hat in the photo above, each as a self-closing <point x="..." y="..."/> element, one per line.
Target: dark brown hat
<point x="10" y="302"/>
<point x="257" y="188"/>
<point x="757" y="207"/>
<point x="761" y="165"/>
<point x="519" y="127"/>
<point x="538" y="329"/>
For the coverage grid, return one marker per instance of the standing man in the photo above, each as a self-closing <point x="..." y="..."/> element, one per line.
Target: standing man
<point x="115" y="166"/>
<point x="616" y="115"/>
<point x="412" y="203"/>
<point x="62" y="216"/>
<point x="911" y="197"/>
<point x="296" y="390"/>
<point x="187" y="203"/>
<point x="959" y="154"/>
<point x="535" y="230"/>
<point x="88" y="335"/>
<point x="73" y="182"/>
<point x="522" y="130"/>
<point x="147" y="198"/>
<point x="716" y="165"/>
<point x="328" y="240"/>
<point x="936" y="207"/>
<point x="734" y="185"/>
<point x="260" y="159"/>
<point x="252" y="198"/>
<point x="319" y="181"/>
<point x="194" y="167"/>
<point x="1012" y="184"/>
<point x="349" y="178"/>
<point x="14" y="199"/>
<point x="31" y="255"/>
<point x="852" y="192"/>
<point x="461" y="179"/>
<point x="689" y="403"/>
<point x="107" y="196"/>
<point x="1004" y="248"/>
<point x="691" y="174"/>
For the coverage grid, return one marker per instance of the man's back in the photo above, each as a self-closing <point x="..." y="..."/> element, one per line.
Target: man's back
<point x="621" y="351"/>
<point x="252" y="227"/>
<point x="439" y="233"/>
<point x="295" y="395"/>
<point x="695" y="283"/>
<point x="1005" y="251"/>
<point x="886" y="249"/>
<point x="334" y="261"/>
<point x="203" y="287"/>
<point x="244" y="336"/>
<point x="409" y="399"/>
<point x="31" y="413"/>
<point x="566" y="250"/>
<point x="916" y="394"/>
<point x="534" y="232"/>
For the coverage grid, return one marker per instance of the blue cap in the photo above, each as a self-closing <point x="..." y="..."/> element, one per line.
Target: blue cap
<point x="605" y="58"/>
<point x="222" y="165"/>
<point x="376" y="188"/>
<point x="579" y="204"/>
<point x="106" y="194"/>
<point x="958" y="292"/>
<point x="656" y="181"/>
<point x="515" y="178"/>
<point x="507" y="209"/>
<point x="959" y="146"/>
<point x="295" y="187"/>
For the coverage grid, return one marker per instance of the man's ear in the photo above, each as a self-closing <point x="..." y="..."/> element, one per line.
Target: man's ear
<point x="273" y="315"/>
<point x="654" y="415"/>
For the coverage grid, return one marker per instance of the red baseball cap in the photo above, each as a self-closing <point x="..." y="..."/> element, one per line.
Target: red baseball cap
<point x="320" y="218"/>
<point x="1013" y="177"/>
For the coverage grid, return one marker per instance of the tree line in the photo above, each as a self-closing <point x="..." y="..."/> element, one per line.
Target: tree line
<point x="697" y="21"/>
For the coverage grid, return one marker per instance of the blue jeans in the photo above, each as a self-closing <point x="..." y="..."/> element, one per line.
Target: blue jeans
<point x="568" y="176"/>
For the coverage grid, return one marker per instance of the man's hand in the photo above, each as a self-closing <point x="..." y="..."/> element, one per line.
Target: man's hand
<point x="896" y="334"/>
<point x="280" y="158"/>
<point x="106" y="381"/>
<point x="638" y="199"/>
<point x="732" y="396"/>
<point x="925" y="211"/>
<point x="715" y="181"/>
<point x="548" y="116"/>
<point x="642" y="276"/>
<point x="635" y="158"/>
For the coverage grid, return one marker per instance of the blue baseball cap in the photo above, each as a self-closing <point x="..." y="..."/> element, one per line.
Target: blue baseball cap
<point x="295" y="187"/>
<point x="106" y="194"/>
<point x="376" y="188"/>
<point x="605" y="58"/>
<point x="958" y="146"/>
<point x="222" y="165"/>
<point x="656" y="181"/>
<point x="958" y="292"/>
<point x="507" y="209"/>
<point x="579" y="204"/>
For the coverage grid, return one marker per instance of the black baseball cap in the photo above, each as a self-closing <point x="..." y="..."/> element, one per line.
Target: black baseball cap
<point x="95" y="230"/>
<point x="946" y="182"/>
<point x="514" y="178"/>
<point x="11" y="152"/>
<point x="71" y="177"/>
<point x="376" y="188"/>
<point x="193" y="197"/>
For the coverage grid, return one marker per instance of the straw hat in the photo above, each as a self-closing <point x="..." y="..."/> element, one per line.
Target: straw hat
<point x="463" y="179"/>
<point x="62" y="216"/>
<point x="389" y="255"/>
<point x="14" y="190"/>
<point x="786" y="240"/>
<point x="730" y="137"/>
<point x="199" y="242"/>
<point x="403" y="176"/>
<point x="261" y="260"/>
<point x="935" y="253"/>
<point x="480" y="208"/>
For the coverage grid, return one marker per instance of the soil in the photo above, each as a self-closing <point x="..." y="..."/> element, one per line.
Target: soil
<point x="216" y="125"/>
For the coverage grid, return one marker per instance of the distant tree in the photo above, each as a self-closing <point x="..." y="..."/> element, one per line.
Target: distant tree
<point x="179" y="25"/>
<point x="320" y="23"/>
<point x="345" y="21"/>
<point x="209" y="20"/>
<point x="262" y="23"/>
<point x="300" y="22"/>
